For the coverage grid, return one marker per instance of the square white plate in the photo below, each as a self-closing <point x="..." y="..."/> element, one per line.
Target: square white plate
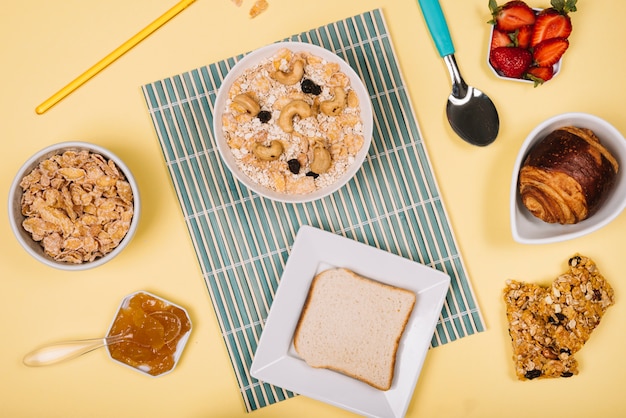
<point x="276" y="361"/>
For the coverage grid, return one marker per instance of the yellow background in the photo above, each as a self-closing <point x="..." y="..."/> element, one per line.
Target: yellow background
<point x="45" y="44"/>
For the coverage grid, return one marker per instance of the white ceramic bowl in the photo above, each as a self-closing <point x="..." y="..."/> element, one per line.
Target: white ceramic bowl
<point x="251" y="60"/>
<point x="180" y="346"/>
<point x="16" y="218"/>
<point x="526" y="228"/>
<point x="556" y="68"/>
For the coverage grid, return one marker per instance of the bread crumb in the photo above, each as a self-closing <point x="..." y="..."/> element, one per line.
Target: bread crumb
<point x="259" y="7"/>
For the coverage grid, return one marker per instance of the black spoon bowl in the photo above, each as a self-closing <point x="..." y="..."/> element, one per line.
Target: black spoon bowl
<point x="471" y="113"/>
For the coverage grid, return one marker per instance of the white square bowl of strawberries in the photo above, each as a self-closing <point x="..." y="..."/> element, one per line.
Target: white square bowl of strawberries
<point x="527" y="44"/>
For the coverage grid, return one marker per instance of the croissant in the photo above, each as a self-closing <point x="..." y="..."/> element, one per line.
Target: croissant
<point x="565" y="177"/>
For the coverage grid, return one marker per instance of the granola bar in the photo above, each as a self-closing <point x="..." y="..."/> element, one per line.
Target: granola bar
<point x="548" y="325"/>
<point x="534" y="353"/>
<point x="576" y="303"/>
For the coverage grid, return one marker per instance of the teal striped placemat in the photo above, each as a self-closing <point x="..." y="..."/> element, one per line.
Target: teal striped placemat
<point x="242" y="240"/>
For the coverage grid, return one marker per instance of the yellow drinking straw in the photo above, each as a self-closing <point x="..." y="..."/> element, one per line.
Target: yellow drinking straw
<point x="106" y="61"/>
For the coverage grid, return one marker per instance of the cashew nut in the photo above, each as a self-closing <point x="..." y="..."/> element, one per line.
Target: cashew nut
<point x="335" y="106"/>
<point x="321" y="160"/>
<point x="292" y="77"/>
<point x="353" y="99"/>
<point x="269" y="153"/>
<point x="247" y="103"/>
<point x="296" y="107"/>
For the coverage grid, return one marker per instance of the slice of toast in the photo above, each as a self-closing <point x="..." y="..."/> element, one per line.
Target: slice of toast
<point x="353" y="325"/>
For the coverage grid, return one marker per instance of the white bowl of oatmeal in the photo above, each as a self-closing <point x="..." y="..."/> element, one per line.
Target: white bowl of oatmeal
<point x="74" y="205"/>
<point x="293" y="122"/>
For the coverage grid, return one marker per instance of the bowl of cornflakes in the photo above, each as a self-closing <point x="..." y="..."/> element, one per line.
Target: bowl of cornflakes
<point x="74" y="205"/>
<point x="293" y="122"/>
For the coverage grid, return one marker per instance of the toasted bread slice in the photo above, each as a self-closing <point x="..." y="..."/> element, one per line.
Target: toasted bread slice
<point x="353" y="325"/>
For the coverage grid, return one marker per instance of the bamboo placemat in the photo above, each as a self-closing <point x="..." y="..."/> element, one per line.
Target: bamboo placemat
<point x="242" y="240"/>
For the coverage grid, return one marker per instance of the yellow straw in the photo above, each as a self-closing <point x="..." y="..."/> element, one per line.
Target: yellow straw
<point x="106" y="61"/>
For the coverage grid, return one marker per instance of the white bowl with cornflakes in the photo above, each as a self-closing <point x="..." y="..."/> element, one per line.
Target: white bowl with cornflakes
<point x="74" y="205"/>
<point x="293" y="122"/>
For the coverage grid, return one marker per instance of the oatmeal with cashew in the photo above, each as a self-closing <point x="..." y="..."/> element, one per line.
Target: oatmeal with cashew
<point x="293" y="122"/>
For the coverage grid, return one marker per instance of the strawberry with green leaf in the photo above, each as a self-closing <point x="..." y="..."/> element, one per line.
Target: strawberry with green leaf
<point x="554" y="22"/>
<point x="498" y="39"/>
<point x="523" y="36"/>
<point x="539" y="75"/>
<point x="512" y="15"/>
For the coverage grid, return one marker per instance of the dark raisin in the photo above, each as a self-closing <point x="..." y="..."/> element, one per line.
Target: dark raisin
<point x="574" y="261"/>
<point x="309" y="87"/>
<point x="567" y="374"/>
<point x="566" y="350"/>
<point x="597" y="295"/>
<point x="557" y="318"/>
<point x="294" y="166"/>
<point x="312" y="174"/>
<point x="532" y="374"/>
<point x="264" y="116"/>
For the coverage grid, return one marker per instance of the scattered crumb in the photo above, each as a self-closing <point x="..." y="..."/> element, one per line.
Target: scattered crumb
<point x="259" y="7"/>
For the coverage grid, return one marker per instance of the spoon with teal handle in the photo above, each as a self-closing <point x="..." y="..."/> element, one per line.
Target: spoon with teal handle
<point x="471" y="113"/>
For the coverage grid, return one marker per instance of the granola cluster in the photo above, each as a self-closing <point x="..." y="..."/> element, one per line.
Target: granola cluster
<point x="548" y="325"/>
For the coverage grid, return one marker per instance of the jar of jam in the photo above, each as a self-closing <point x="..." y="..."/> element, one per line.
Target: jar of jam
<point x="152" y="333"/>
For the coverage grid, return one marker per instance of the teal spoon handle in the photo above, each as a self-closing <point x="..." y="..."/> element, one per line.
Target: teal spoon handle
<point x="437" y="26"/>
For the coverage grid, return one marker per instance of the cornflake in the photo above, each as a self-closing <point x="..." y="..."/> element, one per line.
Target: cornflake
<point x="77" y="205"/>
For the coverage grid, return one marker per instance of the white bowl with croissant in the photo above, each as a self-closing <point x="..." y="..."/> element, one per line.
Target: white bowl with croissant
<point x="568" y="179"/>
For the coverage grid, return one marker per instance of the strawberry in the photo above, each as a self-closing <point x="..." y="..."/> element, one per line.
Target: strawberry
<point x="511" y="61"/>
<point x="523" y="36"/>
<point x="511" y="15"/>
<point x="548" y="52"/>
<point x="539" y="74"/>
<point x="551" y="24"/>
<point x="499" y="38"/>
<point x="519" y="32"/>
